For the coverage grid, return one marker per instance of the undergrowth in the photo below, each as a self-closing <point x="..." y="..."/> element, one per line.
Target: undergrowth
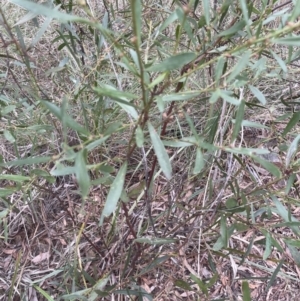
<point x="149" y="151"/>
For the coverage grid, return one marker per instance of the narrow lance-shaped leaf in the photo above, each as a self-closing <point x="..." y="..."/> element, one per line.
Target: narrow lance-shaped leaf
<point x="181" y="96"/>
<point x="201" y="284"/>
<point x="238" y="120"/>
<point x="39" y="9"/>
<point x="69" y="121"/>
<point x="258" y="94"/>
<point x="219" y="69"/>
<point x="240" y="65"/>
<point x="280" y="61"/>
<point x="82" y="175"/>
<point x="288" y="41"/>
<point x="270" y="167"/>
<point x="139" y="136"/>
<point x="246" y="291"/>
<point x="243" y="5"/>
<point x="114" y="193"/>
<point x="15" y="178"/>
<point x="160" y="151"/>
<point x="285" y="214"/>
<point x="268" y="246"/>
<point x="173" y="17"/>
<point x="199" y="162"/>
<point x="173" y="62"/>
<point x="206" y="8"/>
<point x="292" y="150"/>
<point x="293" y="121"/>
<point x="224" y="231"/>
<point x="254" y="124"/>
<point x="235" y="28"/>
<point x="274" y="275"/>
<point x="226" y="95"/>
<point x="96" y="143"/>
<point x="27" y="161"/>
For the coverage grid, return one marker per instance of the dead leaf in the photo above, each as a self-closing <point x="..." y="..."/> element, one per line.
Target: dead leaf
<point x="40" y="257"/>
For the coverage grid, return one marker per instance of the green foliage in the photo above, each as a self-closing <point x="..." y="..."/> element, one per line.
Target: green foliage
<point x="163" y="98"/>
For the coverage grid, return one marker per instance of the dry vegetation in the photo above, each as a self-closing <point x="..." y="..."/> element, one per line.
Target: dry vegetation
<point x="223" y="226"/>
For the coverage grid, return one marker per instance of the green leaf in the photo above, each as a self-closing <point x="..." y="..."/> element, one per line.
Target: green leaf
<point x="42" y="173"/>
<point x="224" y="231"/>
<point x="231" y="203"/>
<point x="98" y="288"/>
<point x="158" y="261"/>
<point x="246" y="151"/>
<point x="294" y="252"/>
<point x="182" y="284"/>
<point x="200" y="283"/>
<point x="69" y="121"/>
<point x="82" y="174"/>
<point x="139" y="136"/>
<point x="232" y="30"/>
<point x="288" y="41"/>
<point x="288" y="224"/>
<point x="240" y="65"/>
<point x="249" y="248"/>
<point x="268" y="246"/>
<point x="295" y="11"/>
<point x="293" y="121"/>
<point x="160" y="151"/>
<point x="6" y="192"/>
<point x="219" y="244"/>
<point x="254" y="124"/>
<point x="199" y="162"/>
<point x="181" y="96"/>
<point x="62" y="170"/>
<point x="244" y="7"/>
<point x="155" y="241"/>
<point x="27" y="161"/>
<point x="43" y="293"/>
<point x="173" y="62"/>
<point x="258" y="94"/>
<point x="122" y="98"/>
<point x="9" y="136"/>
<point x="173" y="17"/>
<point x="157" y="80"/>
<point x="96" y="143"/>
<point x="15" y="178"/>
<point x="3" y="214"/>
<point x="114" y="193"/>
<point x="214" y="96"/>
<point x="274" y="275"/>
<point x="282" y="211"/>
<point x="109" y="91"/>
<point x="238" y="120"/>
<point x="246" y="291"/>
<point x="7" y="109"/>
<point x="39" y="9"/>
<point x="270" y="167"/>
<point x="219" y="69"/>
<point x="184" y="142"/>
<point x="206" y="8"/>
<point x="226" y="95"/>
<point x="290" y="183"/>
<point x="292" y="150"/>
<point x="279" y="61"/>
<point x="42" y="30"/>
